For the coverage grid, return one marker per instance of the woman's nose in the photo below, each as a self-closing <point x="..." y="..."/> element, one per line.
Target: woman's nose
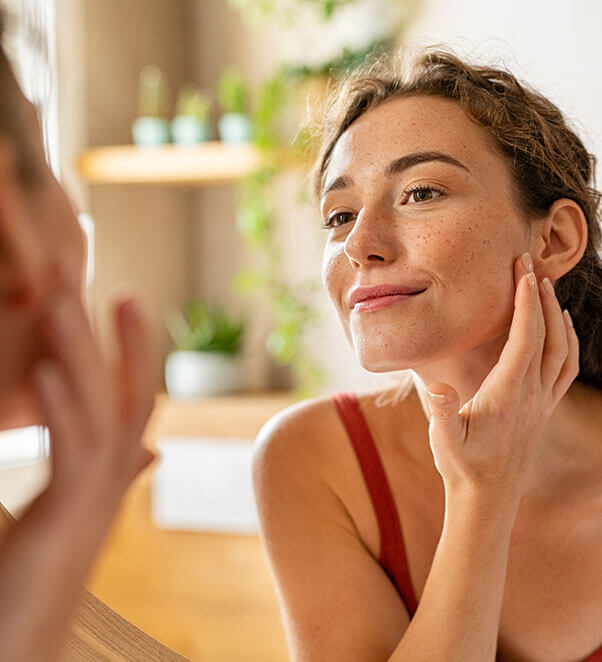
<point x="372" y="239"/>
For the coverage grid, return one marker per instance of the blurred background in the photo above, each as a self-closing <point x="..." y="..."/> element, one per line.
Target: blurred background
<point x="182" y="131"/>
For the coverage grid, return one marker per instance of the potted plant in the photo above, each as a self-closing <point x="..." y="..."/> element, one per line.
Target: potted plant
<point x="151" y="127"/>
<point x="235" y="124"/>
<point x="191" y="122"/>
<point x="207" y="360"/>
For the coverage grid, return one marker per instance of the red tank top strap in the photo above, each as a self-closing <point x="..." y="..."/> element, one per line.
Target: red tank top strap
<point x="392" y="550"/>
<point x="595" y="657"/>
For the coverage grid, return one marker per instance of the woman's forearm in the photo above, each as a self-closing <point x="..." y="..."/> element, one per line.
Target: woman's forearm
<point x="44" y="561"/>
<point x="458" y="617"/>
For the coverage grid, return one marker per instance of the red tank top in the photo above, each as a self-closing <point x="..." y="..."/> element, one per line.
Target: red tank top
<point x="392" y="550"/>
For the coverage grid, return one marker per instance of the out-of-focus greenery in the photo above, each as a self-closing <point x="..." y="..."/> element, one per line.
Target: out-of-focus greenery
<point x="200" y="327"/>
<point x="152" y="92"/>
<point x="290" y="306"/>
<point x="232" y="92"/>
<point x="193" y="102"/>
<point x="287" y="8"/>
<point x="280" y="144"/>
<point x="346" y="61"/>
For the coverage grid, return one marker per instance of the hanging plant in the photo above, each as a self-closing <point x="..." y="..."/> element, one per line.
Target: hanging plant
<point x="291" y="307"/>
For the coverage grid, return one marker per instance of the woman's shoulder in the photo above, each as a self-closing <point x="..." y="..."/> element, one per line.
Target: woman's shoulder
<point x="298" y="433"/>
<point x="292" y="461"/>
<point x="311" y="432"/>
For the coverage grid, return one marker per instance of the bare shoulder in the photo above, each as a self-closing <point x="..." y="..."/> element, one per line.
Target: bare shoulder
<point x="304" y="474"/>
<point x="311" y="435"/>
<point x="299" y="436"/>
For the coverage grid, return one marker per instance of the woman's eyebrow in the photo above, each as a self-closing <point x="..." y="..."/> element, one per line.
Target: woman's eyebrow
<point x="397" y="166"/>
<point x="337" y="184"/>
<point x="410" y="160"/>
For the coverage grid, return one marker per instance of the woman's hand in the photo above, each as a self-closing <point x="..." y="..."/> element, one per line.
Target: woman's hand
<point x="486" y="445"/>
<point x="96" y="415"/>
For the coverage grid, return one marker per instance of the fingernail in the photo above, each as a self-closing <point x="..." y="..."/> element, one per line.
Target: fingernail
<point x="438" y="398"/>
<point x="532" y="281"/>
<point x="527" y="262"/>
<point x="547" y="285"/>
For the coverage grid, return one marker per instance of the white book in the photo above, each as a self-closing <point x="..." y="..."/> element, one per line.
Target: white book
<point x="204" y="484"/>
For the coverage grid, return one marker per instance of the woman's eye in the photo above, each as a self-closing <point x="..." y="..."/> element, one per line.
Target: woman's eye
<point x="422" y="194"/>
<point x="338" y="218"/>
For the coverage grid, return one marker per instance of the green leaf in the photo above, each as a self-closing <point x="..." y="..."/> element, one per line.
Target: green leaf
<point x="208" y="328"/>
<point x="192" y="101"/>
<point x="247" y="282"/>
<point x="232" y="92"/>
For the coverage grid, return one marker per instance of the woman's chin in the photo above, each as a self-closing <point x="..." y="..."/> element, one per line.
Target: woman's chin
<point x="382" y="363"/>
<point x="380" y="352"/>
<point x="393" y="357"/>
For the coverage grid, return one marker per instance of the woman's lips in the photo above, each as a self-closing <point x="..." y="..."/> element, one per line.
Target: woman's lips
<point x="382" y="301"/>
<point x="381" y="296"/>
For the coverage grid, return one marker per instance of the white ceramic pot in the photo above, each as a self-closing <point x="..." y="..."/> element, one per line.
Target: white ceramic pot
<point x="187" y="130"/>
<point x="195" y="374"/>
<point x="150" y="131"/>
<point x="235" y="128"/>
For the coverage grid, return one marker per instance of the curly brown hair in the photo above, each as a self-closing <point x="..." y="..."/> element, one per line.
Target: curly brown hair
<point x="547" y="159"/>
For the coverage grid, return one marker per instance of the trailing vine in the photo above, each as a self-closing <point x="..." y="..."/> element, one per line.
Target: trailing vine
<point x="291" y="307"/>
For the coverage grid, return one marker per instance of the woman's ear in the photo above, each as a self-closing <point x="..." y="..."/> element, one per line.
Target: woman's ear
<point x="561" y="239"/>
<point x="22" y="257"/>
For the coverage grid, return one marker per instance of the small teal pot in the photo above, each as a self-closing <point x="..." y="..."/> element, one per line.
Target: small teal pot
<point x="235" y="128"/>
<point x="150" y="131"/>
<point x="188" y="130"/>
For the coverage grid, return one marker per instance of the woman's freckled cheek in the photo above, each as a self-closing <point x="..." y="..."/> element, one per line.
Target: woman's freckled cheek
<point x="331" y="272"/>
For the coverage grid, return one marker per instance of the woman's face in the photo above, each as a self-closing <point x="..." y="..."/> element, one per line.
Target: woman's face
<point x="422" y="212"/>
<point x="50" y="234"/>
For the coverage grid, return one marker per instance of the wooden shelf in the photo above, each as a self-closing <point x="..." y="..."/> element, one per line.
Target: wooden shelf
<point x="208" y="162"/>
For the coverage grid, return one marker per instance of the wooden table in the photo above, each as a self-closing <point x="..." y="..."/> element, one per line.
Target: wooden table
<point x="208" y="596"/>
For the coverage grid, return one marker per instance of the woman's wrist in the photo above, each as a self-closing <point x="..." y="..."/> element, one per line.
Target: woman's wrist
<point x="82" y="506"/>
<point x="498" y="506"/>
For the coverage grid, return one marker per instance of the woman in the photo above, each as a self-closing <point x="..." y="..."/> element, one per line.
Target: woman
<point x="460" y="224"/>
<point x="52" y="373"/>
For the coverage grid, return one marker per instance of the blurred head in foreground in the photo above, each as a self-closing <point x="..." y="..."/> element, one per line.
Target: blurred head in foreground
<point x="38" y="230"/>
<point x="431" y="182"/>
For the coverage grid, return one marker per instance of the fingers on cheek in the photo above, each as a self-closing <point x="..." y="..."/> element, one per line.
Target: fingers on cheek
<point x="528" y="324"/>
<point x="556" y="343"/>
<point x="570" y="369"/>
<point x="573" y="346"/>
<point x="539" y="308"/>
